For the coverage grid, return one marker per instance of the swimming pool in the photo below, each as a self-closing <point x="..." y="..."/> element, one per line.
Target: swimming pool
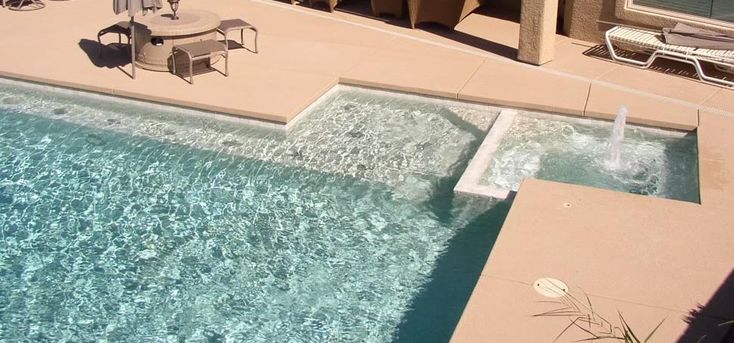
<point x="122" y="222"/>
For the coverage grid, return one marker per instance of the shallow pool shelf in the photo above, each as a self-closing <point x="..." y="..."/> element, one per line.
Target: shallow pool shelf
<point x="520" y="145"/>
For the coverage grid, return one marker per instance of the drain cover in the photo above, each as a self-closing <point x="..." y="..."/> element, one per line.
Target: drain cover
<point x="550" y="287"/>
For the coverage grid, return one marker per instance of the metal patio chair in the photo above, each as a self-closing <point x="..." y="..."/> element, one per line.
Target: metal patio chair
<point x="121" y="29"/>
<point x="202" y="50"/>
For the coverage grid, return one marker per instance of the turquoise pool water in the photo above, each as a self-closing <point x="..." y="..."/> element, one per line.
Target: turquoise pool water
<point x="129" y="224"/>
<point x="654" y="162"/>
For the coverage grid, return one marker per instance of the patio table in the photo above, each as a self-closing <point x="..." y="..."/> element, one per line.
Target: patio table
<point x="155" y="35"/>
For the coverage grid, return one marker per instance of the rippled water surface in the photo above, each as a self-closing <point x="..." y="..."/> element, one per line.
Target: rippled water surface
<point x="653" y="162"/>
<point x="125" y="223"/>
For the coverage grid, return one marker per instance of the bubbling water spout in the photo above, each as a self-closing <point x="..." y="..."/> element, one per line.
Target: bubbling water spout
<point x="614" y="154"/>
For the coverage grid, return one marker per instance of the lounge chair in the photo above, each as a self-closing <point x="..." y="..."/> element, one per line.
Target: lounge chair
<point x="24" y="5"/>
<point x="121" y="29"/>
<point x="202" y="50"/>
<point x="652" y="43"/>
<point x="445" y="12"/>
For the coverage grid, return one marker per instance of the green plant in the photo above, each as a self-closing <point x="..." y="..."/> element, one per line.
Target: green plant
<point x="583" y="317"/>
<point x="700" y="340"/>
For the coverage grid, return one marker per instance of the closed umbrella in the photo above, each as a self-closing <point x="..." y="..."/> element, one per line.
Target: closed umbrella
<point x="133" y="7"/>
<point x="685" y="35"/>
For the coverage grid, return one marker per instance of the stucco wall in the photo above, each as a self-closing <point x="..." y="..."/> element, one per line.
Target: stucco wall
<point x="581" y="19"/>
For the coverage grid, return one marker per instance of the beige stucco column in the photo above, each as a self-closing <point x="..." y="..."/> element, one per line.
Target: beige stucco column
<point x="537" y="31"/>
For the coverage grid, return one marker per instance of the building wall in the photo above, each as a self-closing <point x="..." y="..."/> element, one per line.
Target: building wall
<point x="582" y="16"/>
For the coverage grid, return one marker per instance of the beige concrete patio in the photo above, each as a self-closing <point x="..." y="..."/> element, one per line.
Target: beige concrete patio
<point x="304" y="52"/>
<point x="648" y="258"/>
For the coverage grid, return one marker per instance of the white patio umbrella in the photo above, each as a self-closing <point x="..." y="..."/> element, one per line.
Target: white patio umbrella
<point x="133" y="7"/>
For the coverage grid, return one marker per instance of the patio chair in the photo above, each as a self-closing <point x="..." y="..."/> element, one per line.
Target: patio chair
<point x="329" y="3"/>
<point x="445" y="12"/>
<point x="395" y="8"/>
<point x="236" y="25"/>
<point x="121" y="29"/>
<point x="202" y="50"/>
<point x="651" y="42"/>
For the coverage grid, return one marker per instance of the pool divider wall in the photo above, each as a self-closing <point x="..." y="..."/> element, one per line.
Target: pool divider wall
<point x="119" y="99"/>
<point x="670" y="132"/>
<point x="469" y="182"/>
<point x="310" y="108"/>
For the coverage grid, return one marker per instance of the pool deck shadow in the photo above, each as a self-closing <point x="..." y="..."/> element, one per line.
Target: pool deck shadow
<point x="702" y="323"/>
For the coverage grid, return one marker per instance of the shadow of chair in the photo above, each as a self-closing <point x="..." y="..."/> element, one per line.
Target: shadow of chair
<point x="664" y="66"/>
<point x="113" y="55"/>
<point x="24" y="5"/>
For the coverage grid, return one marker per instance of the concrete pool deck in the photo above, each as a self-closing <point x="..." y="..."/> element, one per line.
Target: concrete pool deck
<point x="648" y="258"/>
<point x="305" y="52"/>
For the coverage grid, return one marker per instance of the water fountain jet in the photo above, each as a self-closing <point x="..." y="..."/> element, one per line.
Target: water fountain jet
<point x="614" y="152"/>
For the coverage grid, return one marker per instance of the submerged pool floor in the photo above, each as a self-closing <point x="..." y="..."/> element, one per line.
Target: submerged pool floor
<point x="124" y="223"/>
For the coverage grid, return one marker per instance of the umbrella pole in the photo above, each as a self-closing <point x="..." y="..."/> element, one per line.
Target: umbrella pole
<point x="132" y="44"/>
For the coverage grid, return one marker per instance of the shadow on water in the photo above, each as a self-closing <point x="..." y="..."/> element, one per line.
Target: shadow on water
<point x="441" y="202"/>
<point x="438" y="307"/>
<point x="682" y="157"/>
<point x="442" y="193"/>
<point x="436" y="310"/>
